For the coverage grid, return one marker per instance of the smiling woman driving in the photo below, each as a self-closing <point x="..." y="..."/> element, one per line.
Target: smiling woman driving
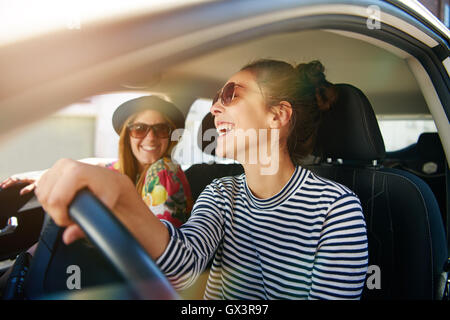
<point x="278" y="231"/>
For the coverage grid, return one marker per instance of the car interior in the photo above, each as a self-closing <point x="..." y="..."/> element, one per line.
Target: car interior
<point x="403" y="193"/>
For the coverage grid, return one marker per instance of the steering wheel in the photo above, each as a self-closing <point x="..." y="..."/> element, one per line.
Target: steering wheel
<point x="129" y="258"/>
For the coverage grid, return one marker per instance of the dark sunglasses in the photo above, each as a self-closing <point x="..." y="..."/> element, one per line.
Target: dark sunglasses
<point x="140" y="130"/>
<point x="227" y="94"/>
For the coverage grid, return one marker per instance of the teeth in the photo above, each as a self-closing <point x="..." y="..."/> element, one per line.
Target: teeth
<point x="148" y="148"/>
<point x="223" y="129"/>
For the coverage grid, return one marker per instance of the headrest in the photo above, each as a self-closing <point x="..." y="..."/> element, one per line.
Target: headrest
<point x="429" y="147"/>
<point x="204" y="140"/>
<point x="349" y="130"/>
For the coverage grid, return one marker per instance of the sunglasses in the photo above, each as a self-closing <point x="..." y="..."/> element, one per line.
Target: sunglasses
<point x="227" y="94"/>
<point x="140" y="130"/>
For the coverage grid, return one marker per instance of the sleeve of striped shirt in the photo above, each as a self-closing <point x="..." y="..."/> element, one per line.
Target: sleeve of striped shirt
<point x="194" y="243"/>
<point x="341" y="259"/>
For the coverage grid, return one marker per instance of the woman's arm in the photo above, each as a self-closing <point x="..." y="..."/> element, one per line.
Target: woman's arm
<point x="31" y="177"/>
<point x="193" y="245"/>
<point x="58" y="186"/>
<point x="180" y="253"/>
<point x="340" y="264"/>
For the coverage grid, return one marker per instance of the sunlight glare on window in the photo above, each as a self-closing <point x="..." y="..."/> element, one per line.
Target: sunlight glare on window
<point x="398" y="134"/>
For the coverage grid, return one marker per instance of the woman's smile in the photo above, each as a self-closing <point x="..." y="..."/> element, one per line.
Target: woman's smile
<point x="148" y="148"/>
<point x="224" y="128"/>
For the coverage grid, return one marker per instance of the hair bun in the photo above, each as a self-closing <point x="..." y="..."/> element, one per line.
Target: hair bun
<point x="326" y="96"/>
<point x="313" y="74"/>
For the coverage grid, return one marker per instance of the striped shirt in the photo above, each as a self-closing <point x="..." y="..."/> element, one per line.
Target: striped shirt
<point x="309" y="241"/>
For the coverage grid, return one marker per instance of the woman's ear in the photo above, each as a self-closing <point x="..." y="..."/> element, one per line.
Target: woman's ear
<point x="280" y="115"/>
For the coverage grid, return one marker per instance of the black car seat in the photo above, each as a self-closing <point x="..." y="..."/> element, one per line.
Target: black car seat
<point x="425" y="159"/>
<point x="405" y="230"/>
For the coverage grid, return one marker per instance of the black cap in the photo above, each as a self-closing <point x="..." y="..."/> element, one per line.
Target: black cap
<point x="130" y="107"/>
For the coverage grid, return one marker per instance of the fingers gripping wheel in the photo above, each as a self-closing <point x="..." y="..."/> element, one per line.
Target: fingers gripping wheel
<point x="120" y="247"/>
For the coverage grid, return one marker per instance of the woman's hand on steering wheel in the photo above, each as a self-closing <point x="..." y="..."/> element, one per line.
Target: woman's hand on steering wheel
<point x="11" y="181"/>
<point x="58" y="186"/>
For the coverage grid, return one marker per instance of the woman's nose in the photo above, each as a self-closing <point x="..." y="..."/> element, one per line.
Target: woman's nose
<point x="150" y="135"/>
<point x="216" y="109"/>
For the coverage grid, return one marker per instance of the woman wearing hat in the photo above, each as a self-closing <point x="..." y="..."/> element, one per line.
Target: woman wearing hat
<point x="144" y="125"/>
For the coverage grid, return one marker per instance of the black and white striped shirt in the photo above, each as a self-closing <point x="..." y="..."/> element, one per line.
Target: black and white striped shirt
<point x="309" y="241"/>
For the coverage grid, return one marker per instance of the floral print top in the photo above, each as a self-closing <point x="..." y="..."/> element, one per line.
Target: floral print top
<point x="166" y="191"/>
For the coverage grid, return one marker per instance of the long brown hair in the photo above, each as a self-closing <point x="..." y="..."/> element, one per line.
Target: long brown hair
<point x="128" y="164"/>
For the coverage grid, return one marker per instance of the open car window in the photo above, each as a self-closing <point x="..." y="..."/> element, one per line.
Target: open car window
<point x="400" y="133"/>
